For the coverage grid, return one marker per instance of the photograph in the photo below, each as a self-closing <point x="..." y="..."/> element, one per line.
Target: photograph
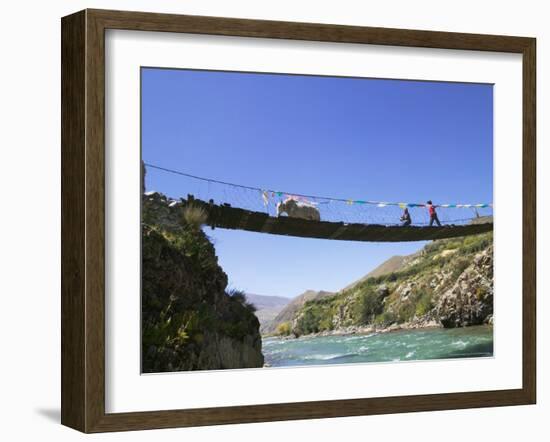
<point x="267" y="221"/>
<point x="293" y="220"/>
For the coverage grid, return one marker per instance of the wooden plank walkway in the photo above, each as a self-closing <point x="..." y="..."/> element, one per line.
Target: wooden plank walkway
<point x="227" y="217"/>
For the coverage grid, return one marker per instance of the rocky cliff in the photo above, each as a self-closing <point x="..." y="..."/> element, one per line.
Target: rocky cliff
<point x="189" y="319"/>
<point x="449" y="283"/>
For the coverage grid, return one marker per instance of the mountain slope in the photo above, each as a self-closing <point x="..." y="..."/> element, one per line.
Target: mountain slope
<point x="288" y="313"/>
<point x="449" y="283"/>
<point x="392" y="264"/>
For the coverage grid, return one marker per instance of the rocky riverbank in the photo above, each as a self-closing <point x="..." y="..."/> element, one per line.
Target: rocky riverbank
<point x="365" y="330"/>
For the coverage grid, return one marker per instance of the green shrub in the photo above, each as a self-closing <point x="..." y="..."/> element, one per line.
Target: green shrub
<point x="451" y="245"/>
<point x="433" y="247"/>
<point x="459" y="265"/>
<point x="424" y="303"/>
<point x="284" y="329"/>
<point x="406" y="311"/>
<point x="481" y="292"/>
<point x="170" y="330"/>
<point x="385" y="319"/>
<point x="315" y="318"/>
<point x="476" y="243"/>
<point x="325" y="323"/>
<point x="240" y="297"/>
<point x="367" y="306"/>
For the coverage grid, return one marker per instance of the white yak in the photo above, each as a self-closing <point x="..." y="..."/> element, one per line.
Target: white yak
<point x="298" y="209"/>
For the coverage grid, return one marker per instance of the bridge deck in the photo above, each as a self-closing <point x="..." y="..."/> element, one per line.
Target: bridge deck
<point x="228" y="217"/>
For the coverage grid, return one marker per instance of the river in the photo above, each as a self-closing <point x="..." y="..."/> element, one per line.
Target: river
<point x="403" y="345"/>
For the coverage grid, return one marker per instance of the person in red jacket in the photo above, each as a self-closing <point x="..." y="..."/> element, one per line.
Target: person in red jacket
<point x="433" y="214"/>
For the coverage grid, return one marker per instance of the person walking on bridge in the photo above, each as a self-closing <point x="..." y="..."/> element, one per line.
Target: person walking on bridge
<point x="433" y="213"/>
<point x="405" y="218"/>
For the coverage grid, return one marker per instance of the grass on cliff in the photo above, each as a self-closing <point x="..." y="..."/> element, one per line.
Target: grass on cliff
<point x="240" y="297"/>
<point x="194" y="217"/>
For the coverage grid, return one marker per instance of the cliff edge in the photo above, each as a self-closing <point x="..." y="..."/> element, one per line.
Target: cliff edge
<point x="189" y="319"/>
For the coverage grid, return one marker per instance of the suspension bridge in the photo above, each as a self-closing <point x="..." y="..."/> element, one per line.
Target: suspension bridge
<point x="240" y="207"/>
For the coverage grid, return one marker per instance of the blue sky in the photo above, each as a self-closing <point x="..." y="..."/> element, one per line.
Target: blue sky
<point x="387" y="140"/>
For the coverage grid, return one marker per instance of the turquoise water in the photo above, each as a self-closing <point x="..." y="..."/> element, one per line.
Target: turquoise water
<point x="406" y="345"/>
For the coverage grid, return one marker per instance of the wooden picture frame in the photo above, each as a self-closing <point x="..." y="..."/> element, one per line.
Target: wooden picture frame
<point x="83" y="220"/>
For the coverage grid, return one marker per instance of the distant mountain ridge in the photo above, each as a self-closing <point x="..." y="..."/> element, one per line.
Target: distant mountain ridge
<point x="262" y="302"/>
<point x="267" y="307"/>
